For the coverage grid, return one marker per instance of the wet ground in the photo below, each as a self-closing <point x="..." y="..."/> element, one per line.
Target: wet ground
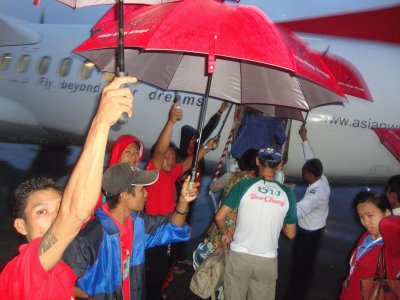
<point x="343" y="229"/>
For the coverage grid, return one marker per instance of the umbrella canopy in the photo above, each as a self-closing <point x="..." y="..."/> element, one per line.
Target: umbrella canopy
<point x="250" y="60"/>
<point x="82" y="3"/>
<point x="390" y="138"/>
<point x="349" y="78"/>
<point x="277" y="111"/>
<point x="120" y="67"/>
<point x="230" y="52"/>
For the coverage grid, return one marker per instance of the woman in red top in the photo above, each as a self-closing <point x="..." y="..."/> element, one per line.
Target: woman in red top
<point x="382" y="229"/>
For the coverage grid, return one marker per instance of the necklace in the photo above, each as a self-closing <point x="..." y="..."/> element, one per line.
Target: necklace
<point x="268" y="176"/>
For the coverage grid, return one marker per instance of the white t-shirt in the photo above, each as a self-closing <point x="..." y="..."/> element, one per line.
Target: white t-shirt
<point x="263" y="207"/>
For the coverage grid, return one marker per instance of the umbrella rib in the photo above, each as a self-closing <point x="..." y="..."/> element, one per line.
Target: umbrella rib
<point x="171" y="77"/>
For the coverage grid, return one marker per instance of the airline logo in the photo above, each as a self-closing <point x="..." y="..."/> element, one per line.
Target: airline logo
<point x="357" y="123"/>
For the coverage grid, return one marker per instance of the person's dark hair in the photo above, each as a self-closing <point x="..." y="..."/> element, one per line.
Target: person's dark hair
<point x="394" y="184"/>
<point x="314" y="166"/>
<point x="113" y="201"/>
<point x="248" y="160"/>
<point x="153" y="148"/>
<point x="24" y="189"/>
<point x="269" y="156"/>
<point x="365" y="196"/>
<point x="187" y="133"/>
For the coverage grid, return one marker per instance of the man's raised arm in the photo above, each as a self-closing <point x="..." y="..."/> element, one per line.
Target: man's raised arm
<point x="83" y="188"/>
<point x="307" y="150"/>
<point x="164" y="139"/>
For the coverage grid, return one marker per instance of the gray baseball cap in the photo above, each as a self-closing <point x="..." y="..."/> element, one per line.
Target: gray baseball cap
<point x="120" y="177"/>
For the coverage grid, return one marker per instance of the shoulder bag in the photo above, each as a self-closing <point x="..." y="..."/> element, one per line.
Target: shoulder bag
<point x="380" y="287"/>
<point x="209" y="275"/>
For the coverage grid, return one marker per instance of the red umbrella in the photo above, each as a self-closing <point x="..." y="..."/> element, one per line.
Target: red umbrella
<point x="231" y="52"/>
<point x="82" y="3"/>
<point x="349" y="78"/>
<point x="390" y="137"/>
<point x="230" y="34"/>
<point x="120" y="67"/>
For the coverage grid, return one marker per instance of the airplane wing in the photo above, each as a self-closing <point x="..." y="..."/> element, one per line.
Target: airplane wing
<point x="377" y="25"/>
<point x="13" y="32"/>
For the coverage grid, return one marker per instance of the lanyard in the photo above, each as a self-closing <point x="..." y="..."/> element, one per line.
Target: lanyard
<point x="365" y="250"/>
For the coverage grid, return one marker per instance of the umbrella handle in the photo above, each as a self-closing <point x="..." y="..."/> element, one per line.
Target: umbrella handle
<point x="305" y="119"/>
<point x="178" y="99"/>
<point x="124" y="118"/>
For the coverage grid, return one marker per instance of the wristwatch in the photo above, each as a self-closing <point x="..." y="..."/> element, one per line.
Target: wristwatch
<point x="206" y="148"/>
<point x="181" y="212"/>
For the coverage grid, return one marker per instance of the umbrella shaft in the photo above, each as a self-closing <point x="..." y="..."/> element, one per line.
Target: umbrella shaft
<point x="121" y="54"/>
<point x="223" y="123"/>
<point x="203" y="111"/>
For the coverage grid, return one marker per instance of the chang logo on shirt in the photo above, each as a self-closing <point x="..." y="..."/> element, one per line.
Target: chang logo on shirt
<point x="267" y="199"/>
<point x="268" y="189"/>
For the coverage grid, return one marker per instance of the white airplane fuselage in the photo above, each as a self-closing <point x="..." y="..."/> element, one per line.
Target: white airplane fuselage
<point x="50" y="109"/>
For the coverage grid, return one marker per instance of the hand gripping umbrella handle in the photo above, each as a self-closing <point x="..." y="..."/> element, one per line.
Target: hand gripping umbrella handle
<point x="124" y="118"/>
<point x="178" y="99"/>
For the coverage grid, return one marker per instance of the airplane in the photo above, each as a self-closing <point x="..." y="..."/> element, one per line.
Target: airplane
<point x="48" y="95"/>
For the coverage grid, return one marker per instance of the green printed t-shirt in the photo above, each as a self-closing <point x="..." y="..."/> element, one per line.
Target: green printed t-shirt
<point x="263" y="207"/>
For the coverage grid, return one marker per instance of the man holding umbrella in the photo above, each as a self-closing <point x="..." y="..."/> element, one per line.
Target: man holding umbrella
<point x="312" y="212"/>
<point x="161" y="199"/>
<point x="108" y="254"/>
<point x="50" y="218"/>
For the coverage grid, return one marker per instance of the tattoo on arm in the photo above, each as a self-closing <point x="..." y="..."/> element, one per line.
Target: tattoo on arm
<point x="48" y="240"/>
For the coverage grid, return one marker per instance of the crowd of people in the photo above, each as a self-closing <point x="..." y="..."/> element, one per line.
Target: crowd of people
<point x="117" y="234"/>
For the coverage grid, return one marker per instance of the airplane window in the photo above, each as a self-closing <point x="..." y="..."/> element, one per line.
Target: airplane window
<point x="5" y="61"/>
<point x="87" y="70"/>
<point x="23" y="63"/>
<point x="44" y="65"/>
<point x="65" y="67"/>
<point x="108" y="76"/>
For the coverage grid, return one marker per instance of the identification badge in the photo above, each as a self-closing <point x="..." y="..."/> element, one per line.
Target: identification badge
<point x="125" y="272"/>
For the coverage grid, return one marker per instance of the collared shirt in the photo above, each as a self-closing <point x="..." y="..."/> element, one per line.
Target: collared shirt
<point x="313" y="208"/>
<point x="396" y="211"/>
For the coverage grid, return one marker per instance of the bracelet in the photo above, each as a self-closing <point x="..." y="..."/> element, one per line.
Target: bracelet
<point x="181" y="212"/>
<point x="206" y="148"/>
